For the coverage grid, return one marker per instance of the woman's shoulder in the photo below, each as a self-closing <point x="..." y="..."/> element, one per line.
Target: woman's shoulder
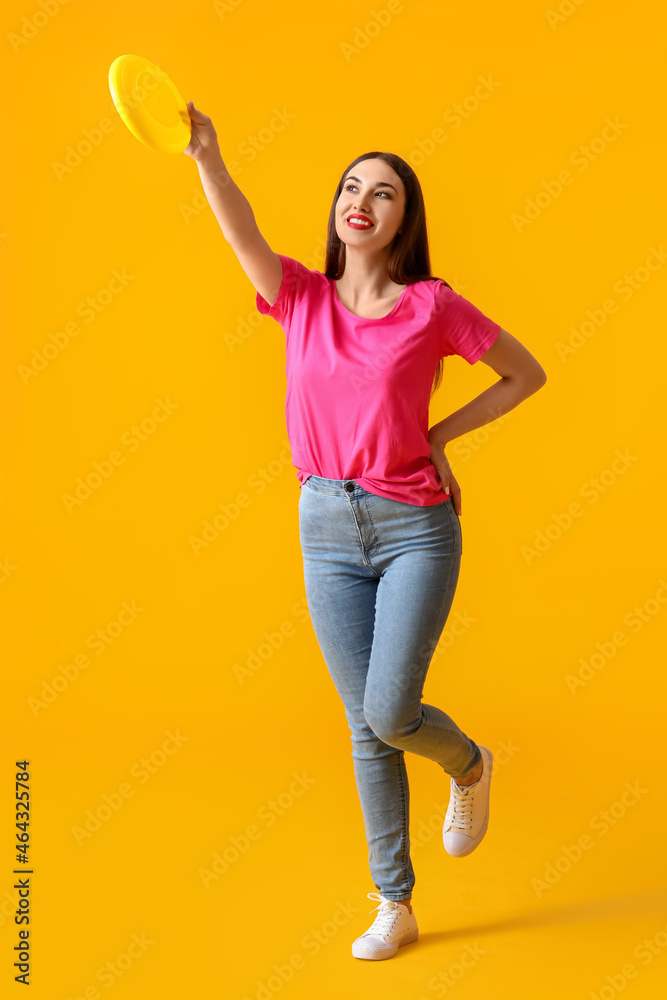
<point x="304" y="280"/>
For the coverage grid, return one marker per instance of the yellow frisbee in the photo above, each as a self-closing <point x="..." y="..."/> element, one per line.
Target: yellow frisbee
<point x="149" y="104"/>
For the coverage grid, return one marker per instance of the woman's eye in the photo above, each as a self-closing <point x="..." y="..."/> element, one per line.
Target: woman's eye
<point x="348" y="187"/>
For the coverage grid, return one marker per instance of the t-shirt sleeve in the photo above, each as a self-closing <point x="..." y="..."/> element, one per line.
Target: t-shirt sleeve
<point x="462" y="327"/>
<point x="296" y="285"/>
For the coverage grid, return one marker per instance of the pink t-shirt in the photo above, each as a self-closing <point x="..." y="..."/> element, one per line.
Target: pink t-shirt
<point x="358" y="390"/>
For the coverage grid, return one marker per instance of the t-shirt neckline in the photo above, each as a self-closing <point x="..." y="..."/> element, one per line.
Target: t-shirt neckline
<point x="369" y="319"/>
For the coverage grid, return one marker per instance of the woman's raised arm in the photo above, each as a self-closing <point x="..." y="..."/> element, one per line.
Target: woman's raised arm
<point x="232" y="209"/>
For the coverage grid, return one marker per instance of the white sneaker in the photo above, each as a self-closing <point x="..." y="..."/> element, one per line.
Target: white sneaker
<point x="468" y="813"/>
<point x="393" y="926"/>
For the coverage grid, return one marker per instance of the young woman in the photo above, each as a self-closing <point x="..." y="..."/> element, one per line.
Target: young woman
<point x="379" y="506"/>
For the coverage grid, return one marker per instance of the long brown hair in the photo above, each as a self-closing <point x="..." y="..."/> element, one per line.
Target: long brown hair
<point x="409" y="259"/>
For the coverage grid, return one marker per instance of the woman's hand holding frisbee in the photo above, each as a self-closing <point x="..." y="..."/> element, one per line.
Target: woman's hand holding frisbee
<point x="204" y="137"/>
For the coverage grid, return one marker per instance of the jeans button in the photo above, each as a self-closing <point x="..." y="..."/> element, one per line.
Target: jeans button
<point x="349" y="487"/>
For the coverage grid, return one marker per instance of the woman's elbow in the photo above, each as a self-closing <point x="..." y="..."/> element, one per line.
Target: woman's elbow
<point x="540" y="377"/>
<point x="530" y="379"/>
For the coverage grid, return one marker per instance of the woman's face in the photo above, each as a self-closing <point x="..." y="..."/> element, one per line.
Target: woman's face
<point x="374" y="190"/>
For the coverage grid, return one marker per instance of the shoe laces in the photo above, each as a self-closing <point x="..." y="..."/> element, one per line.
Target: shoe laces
<point x="390" y="912"/>
<point x="460" y="807"/>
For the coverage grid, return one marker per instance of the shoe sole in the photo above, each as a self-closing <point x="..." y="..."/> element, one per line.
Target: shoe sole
<point x="480" y="836"/>
<point x="390" y="952"/>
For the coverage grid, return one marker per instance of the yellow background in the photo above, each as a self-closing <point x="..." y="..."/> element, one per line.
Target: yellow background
<point x="185" y="329"/>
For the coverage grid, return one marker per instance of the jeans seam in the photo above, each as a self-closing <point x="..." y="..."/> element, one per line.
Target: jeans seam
<point x="454" y="517"/>
<point x="400" y="756"/>
<point x="361" y="541"/>
<point x="375" y="534"/>
<point x="451" y="567"/>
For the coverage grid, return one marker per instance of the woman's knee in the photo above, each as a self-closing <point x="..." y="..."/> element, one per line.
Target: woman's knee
<point x="392" y="723"/>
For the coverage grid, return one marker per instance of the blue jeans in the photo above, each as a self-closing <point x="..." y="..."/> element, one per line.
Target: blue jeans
<point x="380" y="578"/>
